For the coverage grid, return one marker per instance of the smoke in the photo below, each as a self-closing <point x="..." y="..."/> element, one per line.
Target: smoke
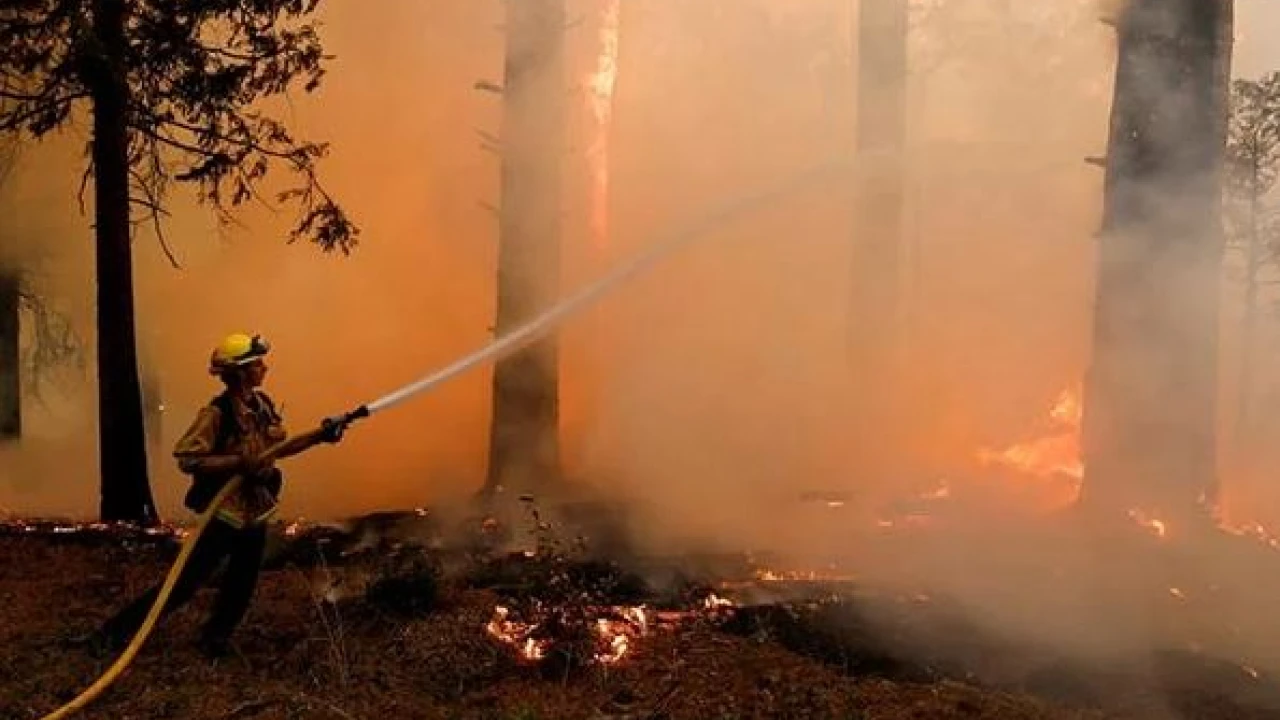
<point x="715" y="392"/>
<point x="726" y="388"/>
<point x="735" y="394"/>
<point x="402" y="117"/>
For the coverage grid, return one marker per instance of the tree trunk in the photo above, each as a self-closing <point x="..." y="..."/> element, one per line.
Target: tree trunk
<point x="524" y="444"/>
<point x="10" y="370"/>
<point x="1151" y="393"/>
<point x="126" y="491"/>
<point x="876" y="305"/>
<point x="1249" y="321"/>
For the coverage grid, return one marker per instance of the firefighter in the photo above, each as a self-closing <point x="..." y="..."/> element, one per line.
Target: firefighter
<point x="227" y="438"/>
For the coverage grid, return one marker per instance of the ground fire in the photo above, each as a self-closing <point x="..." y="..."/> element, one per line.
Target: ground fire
<point x="636" y="278"/>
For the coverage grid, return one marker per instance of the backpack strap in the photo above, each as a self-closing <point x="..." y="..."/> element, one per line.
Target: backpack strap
<point x="206" y="485"/>
<point x="270" y="406"/>
<point x="228" y="423"/>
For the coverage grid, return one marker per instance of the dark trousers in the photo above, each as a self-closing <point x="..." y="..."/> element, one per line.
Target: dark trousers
<point x="242" y="548"/>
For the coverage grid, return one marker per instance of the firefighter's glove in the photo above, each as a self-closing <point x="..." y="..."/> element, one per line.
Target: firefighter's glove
<point x="333" y="428"/>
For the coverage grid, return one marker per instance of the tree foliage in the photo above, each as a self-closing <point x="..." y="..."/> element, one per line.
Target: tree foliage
<point x="196" y="72"/>
<point x="1253" y="142"/>
<point x="54" y="342"/>
<point x="1253" y="169"/>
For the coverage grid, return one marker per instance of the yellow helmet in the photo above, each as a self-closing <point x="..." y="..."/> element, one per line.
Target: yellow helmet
<point x="235" y="350"/>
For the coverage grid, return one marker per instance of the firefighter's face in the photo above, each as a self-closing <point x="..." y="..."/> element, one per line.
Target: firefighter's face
<point x="253" y="373"/>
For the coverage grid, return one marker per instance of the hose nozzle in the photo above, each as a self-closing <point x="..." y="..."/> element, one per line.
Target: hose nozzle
<point x="334" y="427"/>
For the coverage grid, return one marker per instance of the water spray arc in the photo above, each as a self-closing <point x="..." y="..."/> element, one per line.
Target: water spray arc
<point x="513" y="341"/>
<point x="566" y="308"/>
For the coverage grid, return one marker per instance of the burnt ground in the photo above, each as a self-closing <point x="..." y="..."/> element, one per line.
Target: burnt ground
<point x="338" y="631"/>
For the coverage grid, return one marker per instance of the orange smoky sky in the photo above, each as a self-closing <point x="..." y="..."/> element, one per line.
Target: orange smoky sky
<point x="723" y="373"/>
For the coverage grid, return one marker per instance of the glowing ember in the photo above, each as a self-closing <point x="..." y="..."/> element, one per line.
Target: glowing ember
<point x="13" y="524"/>
<point x="1252" y="530"/>
<point x="910" y="520"/>
<point x="615" y="635"/>
<point x="517" y="634"/>
<point x="614" y="628"/>
<point x="768" y="575"/>
<point x="715" y="602"/>
<point x="1156" y="526"/>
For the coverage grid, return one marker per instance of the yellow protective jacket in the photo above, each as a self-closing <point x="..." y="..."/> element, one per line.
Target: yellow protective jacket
<point x="230" y="425"/>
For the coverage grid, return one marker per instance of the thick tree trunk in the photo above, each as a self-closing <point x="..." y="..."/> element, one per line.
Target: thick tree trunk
<point x="10" y="370"/>
<point x="1249" y="321"/>
<point x="1151" y="393"/>
<point x="524" y="443"/>
<point x="876" y="305"/>
<point x="126" y="490"/>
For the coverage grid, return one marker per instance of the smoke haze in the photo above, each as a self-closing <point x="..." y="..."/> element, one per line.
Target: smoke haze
<point x="714" y="390"/>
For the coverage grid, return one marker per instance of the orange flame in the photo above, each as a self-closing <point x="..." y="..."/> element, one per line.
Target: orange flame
<point x="600" y="87"/>
<point x="1156" y="526"/>
<point x="517" y="634"/>
<point x="615" y="631"/>
<point x="1054" y="456"/>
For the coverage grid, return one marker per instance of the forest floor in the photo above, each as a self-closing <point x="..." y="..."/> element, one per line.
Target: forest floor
<point x="312" y="649"/>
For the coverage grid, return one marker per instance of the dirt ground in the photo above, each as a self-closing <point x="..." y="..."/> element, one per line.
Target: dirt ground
<point x="298" y="658"/>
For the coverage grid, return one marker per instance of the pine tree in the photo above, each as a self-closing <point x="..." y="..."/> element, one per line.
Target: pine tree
<point x="171" y="91"/>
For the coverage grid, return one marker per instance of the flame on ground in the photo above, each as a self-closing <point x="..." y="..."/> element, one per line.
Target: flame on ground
<point x="518" y="635"/>
<point x="615" y="629"/>
<point x="1053" y="456"/>
<point x="1155" y="525"/>
<point x="13" y="524"/>
<point x="769" y="575"/>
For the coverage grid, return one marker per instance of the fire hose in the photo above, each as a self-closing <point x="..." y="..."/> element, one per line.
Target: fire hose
<point x="512" y="341"/>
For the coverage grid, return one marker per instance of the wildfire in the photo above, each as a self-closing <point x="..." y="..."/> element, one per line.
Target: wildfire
<point x="769" y="575"/>
<point x="615" y="635"/>
<point x="600" y="86"/>
<point x="908" y="520"/>
<point x="614" y="629"/>
<point x="17" y="525"/>
<point x="1155" y="525"/>
<point x="1252" y="530"/>
<point x="517" y="634"/>
<point x="1056" y="454"/>
<point x="714" y="602"/>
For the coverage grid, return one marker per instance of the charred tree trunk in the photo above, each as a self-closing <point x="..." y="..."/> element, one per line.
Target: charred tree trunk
<point x="126" y="490"/>
<point x="524" y="443"/>
<point x="876" y="307"/>
<point x="10" y="369"/>
<point x="1151" y="393"/>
